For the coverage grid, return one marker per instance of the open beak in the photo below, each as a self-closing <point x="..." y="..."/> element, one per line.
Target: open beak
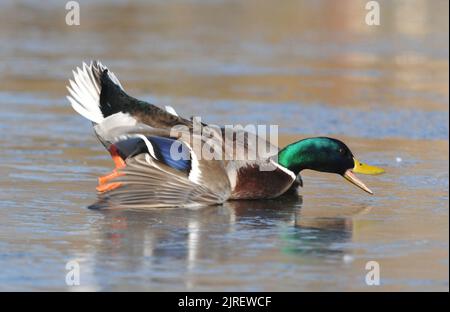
<point x="364" y="169"/>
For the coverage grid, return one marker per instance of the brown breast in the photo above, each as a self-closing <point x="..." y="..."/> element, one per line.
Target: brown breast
<point x="252" y="183"/>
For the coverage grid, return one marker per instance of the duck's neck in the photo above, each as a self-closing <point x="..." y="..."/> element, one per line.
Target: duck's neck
<point x="296" y="156"/>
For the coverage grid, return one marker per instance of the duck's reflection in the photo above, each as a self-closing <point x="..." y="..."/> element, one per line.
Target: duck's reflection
<point x="219" y="234"/>
<point x="320" y="237"/>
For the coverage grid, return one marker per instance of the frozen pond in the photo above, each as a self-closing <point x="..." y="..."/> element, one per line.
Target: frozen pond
<point x="313" y="68"/>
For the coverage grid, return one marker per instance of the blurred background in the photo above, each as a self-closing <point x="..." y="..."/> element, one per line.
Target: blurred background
<point x="311" y="67"/>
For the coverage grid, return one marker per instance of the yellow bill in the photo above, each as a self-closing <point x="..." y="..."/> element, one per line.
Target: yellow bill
<point x="363" y="169"/>
<point x="366" y="169"/>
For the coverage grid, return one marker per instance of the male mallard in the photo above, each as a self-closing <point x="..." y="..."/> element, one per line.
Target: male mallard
<point x="141" y="139"/>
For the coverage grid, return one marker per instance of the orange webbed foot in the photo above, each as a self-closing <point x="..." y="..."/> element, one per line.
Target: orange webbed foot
<point x="103" y="185"/>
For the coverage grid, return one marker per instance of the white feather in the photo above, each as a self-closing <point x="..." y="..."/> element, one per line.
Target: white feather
<point x="82" y="111"/>
<point x="112" y="127"/>
<point x="85" y="90"/>
<point x="147" y="143"/>
<point x="171" y="110"/>
<point x="195" y="174"/>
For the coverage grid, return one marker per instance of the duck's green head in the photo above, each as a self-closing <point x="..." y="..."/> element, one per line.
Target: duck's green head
<point x="325" y="155"/>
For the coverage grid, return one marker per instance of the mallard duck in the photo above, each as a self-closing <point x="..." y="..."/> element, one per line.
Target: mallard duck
<point x="142" y="138"/>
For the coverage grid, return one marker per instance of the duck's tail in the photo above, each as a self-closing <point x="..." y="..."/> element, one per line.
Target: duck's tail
<point x="91" y="90"/>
